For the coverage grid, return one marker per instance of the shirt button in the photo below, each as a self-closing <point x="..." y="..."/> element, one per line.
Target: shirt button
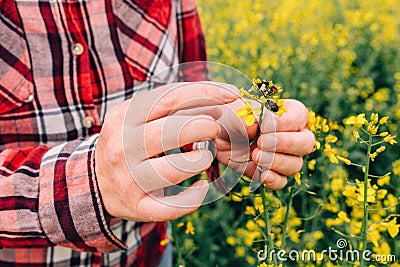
<point x="88" y="122"/>
<point x="29" y="98"/>
<point x="77" y="49"/>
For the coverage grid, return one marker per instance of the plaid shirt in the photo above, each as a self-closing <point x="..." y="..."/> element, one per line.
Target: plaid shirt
<point x="63" y="64"/>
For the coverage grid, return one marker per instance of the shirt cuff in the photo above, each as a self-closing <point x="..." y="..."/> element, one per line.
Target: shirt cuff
<point x="70" y="209"/>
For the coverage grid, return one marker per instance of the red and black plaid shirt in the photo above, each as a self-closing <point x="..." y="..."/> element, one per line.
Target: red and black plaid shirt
<point x="63" y="64"/>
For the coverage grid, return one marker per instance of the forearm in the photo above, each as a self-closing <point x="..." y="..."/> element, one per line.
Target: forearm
<point x="50" y="197"/>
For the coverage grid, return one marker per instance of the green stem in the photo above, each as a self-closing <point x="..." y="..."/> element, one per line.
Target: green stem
<point x="378" y="143"/>
<point x="289" y="205"/>
<point x="175" y="237"/>
<point x="268" y="241"/>
<point x="260" y="120"/>
<point x="365" y="204"/>
<point x="379" y="176"/>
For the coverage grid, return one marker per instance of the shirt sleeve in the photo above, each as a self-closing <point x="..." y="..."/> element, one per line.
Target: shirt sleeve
<point x="49" y="196"/>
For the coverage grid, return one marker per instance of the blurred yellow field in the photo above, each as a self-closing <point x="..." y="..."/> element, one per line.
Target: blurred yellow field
<point x="342" y="59"/>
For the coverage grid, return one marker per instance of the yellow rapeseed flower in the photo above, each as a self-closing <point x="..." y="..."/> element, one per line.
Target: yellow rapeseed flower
<point x="374" y="236"/>
<point x="281" y="108"/>
<point x="164" y="242"/>
<point x="248" y="113"/>
<point x="381" y="193"/>
<point x="240" y="251"/>
<point x="245" y="191"/>
<point x="356" y="135"/>
<point x="391" y="201"/>
<point x="343" y="216"/>
<point x="318" y="235"/>
<point x="346" y="161"/>
<point x="331" y="138"/>
<point x="396" y="167"/>
<point x="260" y="223"/>
<point x="351" y="196"/>
<point x="383" y="120"/>
<point x="357" y="214"/>
<point x="251" y="225"/>
<point x="331" y="154"/>
<point x="374" y="118"/>
<point x="258" y="205"/>
<point x="297" y="178"/>
<point x="372" y="128"/>
<point x="250" y="211"/>
<point x="311" y="164"/>
<point x="373" y="156"/>
<point x="236" y="198"/>
<point x="336" y="184"/>
<point x="250" y="260"/>
<point x="358" y="121"/>
<point x="317" y="145"/>
<point x="355" y="227"/>
<point x="381" y="149"/>
<point x="392" y="227"/>
<point x="371" y="191"/>
<point x="317" y="123"/>
<point x="230" y="240"/>
<point x="189" y="228"/>
<point x="383" y="134"/>
<point x="385" y="180"/>
<point x="390" y="139"/>
<point x="382" y="249"/>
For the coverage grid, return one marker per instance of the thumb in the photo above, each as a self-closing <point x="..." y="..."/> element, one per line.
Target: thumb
<point x="176" y="206"/>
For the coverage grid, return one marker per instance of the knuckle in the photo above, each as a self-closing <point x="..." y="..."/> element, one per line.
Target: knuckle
<point x="169" y="99"/>
<point x="286" y="142"/>
<point x="277" y="160"/>
<point x="209" y="91"/>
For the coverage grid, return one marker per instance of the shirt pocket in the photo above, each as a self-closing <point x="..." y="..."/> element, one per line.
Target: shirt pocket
<point x="16" y="84"/>
<point x="147" y="33"/>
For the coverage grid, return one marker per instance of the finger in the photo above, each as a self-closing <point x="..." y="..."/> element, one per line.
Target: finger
<point x="296" y="143"/>
<point x="273" y="180"/>
<point x="233" y="126"/>
<point x="172" y="132"/>
<point x="295" y="119"/>
<point x="173" y="207"/>
<point x="234" y="159"/>
<point x="157" y="173"/>
<point x="162" y="101"/>
<point x="212" y="111"/>
<point x="282" y="163"/>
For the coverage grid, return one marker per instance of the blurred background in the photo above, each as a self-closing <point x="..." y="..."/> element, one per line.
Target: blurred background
<point x="339" y="57"/>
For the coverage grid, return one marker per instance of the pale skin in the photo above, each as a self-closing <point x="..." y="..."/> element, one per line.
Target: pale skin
<point x="197" y="110"/>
